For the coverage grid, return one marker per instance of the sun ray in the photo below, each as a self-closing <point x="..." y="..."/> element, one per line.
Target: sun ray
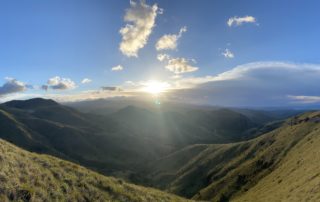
<point x="156" y="87"/>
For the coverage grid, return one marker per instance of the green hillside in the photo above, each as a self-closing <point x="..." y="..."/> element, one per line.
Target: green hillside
<point x="222" y="172"/>
<point x="26" y="176"/>
<point x="297" y="177"/>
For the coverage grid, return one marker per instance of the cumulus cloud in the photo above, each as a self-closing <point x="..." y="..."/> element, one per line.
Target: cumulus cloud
<point x="12" y="86"/>
<point x="169" y="41"/>
<point x="180" y="65"/>
<point x="237" y="21"/>
<point x="86" y="80"/>
<point x="254" y="84"/>
<point x="177" y="65"/>
<point x="227" y="54"/>
<point x="117" y="68"/>
<point x="141" y="20"/>
<point x="58" y="83"/>
<point x="162" y="57"/>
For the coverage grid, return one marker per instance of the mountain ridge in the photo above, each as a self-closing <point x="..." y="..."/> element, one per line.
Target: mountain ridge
<point x="176" y="151"/>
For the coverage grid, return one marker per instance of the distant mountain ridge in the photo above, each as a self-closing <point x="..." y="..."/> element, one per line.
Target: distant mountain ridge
<point x="31" y="103"/>
<point x="101" y="141"/>
<point x="218" y="154"/>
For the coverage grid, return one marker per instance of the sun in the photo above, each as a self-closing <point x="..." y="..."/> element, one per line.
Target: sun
<point x="156" y="87"/>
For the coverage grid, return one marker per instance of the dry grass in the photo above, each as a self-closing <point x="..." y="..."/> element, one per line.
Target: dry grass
<point x="297" y="178"/>
<point x="223" y="172"/>
<point x="26" y="176"/>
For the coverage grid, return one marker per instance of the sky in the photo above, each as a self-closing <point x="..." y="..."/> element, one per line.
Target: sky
<point x="231" y="53"/>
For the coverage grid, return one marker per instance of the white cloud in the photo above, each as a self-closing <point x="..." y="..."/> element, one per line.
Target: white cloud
<point x="141" y="20"/>
<point x="12" y="86"/>
<point x="86" y="80"/>
<point x="169" y="41"/>
<point x="180" y="66"/>
<point x="237" y="21"/>
<point x="117" y="68"/>
<point x="255" y="84"/>
<point x="228" y="54"/>
<point x="303" y="99"/>
<point x="58" y="83"/>
<point x="176" y="76"/>
<point x="258" y="84"/>
<point x="177" y="65"/>
<point x="163" y="57"/>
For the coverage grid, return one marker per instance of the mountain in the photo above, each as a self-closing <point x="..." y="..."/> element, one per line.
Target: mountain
<point x="91" y="140"/>
<point x="193" y="126"/>
<point x="200" y="120"/>
<point x="26" y="176"/>
<point x="277" y="166"/>
<point x="30" y="104"/>
<point x="122" y="142"/>
<point x="215" y="154"/>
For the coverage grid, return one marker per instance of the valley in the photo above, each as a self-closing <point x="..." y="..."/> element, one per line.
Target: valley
<point x="214" y="155"/>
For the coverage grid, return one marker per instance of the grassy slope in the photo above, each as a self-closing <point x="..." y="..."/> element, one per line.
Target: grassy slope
<point x="297" y="178"/>
<point x="226" y="171"/>
<point x="26" y="176"/>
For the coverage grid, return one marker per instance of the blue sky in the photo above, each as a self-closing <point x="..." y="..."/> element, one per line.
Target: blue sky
<point x="59" y="43"/>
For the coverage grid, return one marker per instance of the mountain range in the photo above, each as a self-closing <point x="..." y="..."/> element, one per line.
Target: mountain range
<point x="196" y="152"/>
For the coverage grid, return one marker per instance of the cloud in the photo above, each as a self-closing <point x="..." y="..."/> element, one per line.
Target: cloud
<point x="169" y="41"/>
<point x="141" y="20"/>
<point x="302" y="99"/>
<point x="180" y="65"/>
<point x="163" y="57"/>
<point x="111" y="88"/>
<point x="45" y="87"/>
<point x="177" y="65"/>
<point x="12" y="86"/>
<point x="254" y="84"/>
<point x="227" y="54"/>
<point x="86" y="80"/>
<point x="117" y="68"/>
<point x="58" y="83"/>
<point x="176" y="76"/>
<point x="237" y="21"/>
<point x="258" y="84"/>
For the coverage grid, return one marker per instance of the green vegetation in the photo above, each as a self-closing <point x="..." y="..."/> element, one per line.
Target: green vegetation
<point x="26" y="176"/>
<point x="222" y="172"/>
<point x="297" y="176"/>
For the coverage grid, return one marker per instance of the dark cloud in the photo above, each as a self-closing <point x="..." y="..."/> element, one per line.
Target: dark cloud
<point x="45" y="87"/>
<point x="256" y="84"/>
<point x="111" y="88"/>
<point x="12" y="86"/>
